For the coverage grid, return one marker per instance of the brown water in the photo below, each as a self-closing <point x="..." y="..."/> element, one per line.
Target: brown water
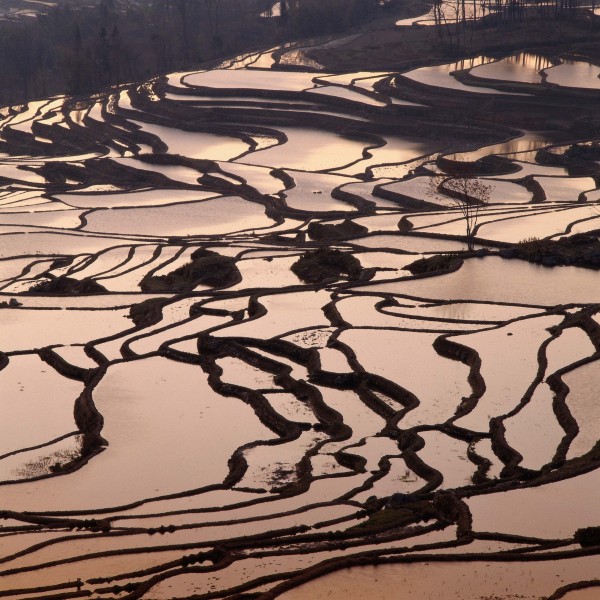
<point x="274" y="403"/>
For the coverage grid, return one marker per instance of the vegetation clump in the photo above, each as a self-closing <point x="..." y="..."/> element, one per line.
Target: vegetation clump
<point x="206" y="268"/>
<point x="578" y="159"/>
<point x="405" y="225"/>
<point x="148" y="312"/>
<point x="12" y="303"/>
<point x="433" y="264"/>
<point x="325" y="265"/>
<point x="393" y="518"/>
<point x="584" y="151"/>
<point x="487" y="165"/>
<point x="588" y="536"/>
<point x="388" y="518"/>
<point x="582" y="250"/>
<point x="339" y="231"/>
<point x="67" y="285"/>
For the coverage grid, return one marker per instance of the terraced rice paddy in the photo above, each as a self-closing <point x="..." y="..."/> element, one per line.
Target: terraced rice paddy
<point x="187" y="413"/>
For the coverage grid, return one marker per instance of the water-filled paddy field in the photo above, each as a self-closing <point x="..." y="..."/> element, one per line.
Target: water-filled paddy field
<point x="219" y="379"/>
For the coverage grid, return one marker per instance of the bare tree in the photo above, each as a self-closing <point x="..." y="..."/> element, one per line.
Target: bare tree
<point x="469" y="194"/>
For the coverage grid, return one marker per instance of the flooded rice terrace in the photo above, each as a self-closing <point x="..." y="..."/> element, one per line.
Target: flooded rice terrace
<point x="218" y="378"/>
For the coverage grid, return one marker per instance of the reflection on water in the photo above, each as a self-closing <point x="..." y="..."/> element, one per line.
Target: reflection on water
<point x="485" y="279"/>
<point x="471" y="581"/>
<point x="251" y="79"/>
<point x="191" y="218"/>
<point x="571" y="73"/>
<point x="450" y="12"/>
<point x="522" y="68"/>
<point x="441" y="75"/>
<point x="310" y="150"/>
<point x="528" y="142"/>
<point x="274" y="393"/>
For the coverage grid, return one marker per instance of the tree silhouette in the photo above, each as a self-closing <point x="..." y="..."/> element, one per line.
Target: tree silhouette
<point x="468" y="193"/>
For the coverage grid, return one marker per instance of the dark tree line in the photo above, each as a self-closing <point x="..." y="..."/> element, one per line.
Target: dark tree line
<point x="83" y="49"/>
<point x="456" y="20"/>
<point x="463" y="11"/>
